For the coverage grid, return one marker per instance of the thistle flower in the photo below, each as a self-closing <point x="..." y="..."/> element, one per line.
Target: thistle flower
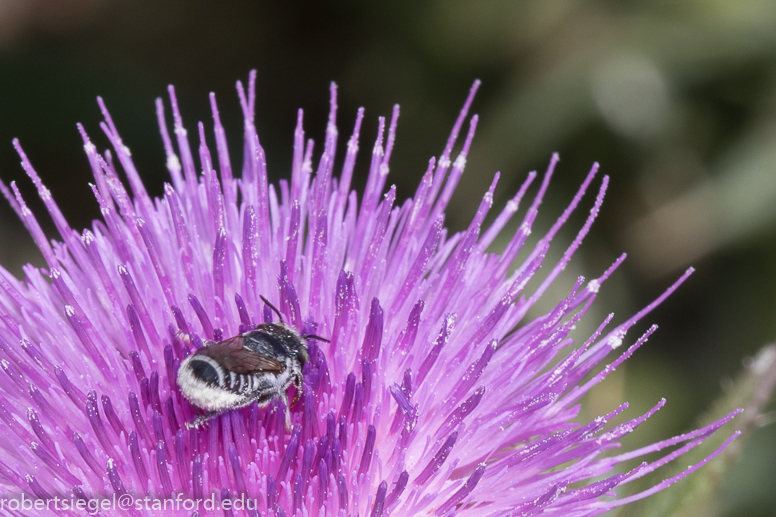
<point x="435" y="396"/>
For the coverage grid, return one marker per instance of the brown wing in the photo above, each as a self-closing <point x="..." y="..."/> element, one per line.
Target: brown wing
<point x="232" y="355"/>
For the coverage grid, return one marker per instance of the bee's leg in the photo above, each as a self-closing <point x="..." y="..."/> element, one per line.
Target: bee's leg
<point x="298" y="385"/>
<point x="201" y="419"/>
<point x="284" y="398"/>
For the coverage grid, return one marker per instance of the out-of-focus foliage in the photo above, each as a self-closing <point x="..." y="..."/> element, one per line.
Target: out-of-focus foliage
<point x="676" y="99"/>
<point x="699" y="494"/>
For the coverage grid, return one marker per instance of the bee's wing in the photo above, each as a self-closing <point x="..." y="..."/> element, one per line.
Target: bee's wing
<point x="234" y="357"/>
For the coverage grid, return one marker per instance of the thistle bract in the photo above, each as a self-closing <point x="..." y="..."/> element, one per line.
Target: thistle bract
<point x="436" y="395"/>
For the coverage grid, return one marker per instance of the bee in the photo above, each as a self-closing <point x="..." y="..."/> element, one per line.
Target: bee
<point x="259" y="365"/>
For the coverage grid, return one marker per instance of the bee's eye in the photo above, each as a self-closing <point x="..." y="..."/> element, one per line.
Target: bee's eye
<point x="204" y="372"/>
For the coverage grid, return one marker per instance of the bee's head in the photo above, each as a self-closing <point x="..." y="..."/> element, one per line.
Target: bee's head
<point x="302" y="354"/>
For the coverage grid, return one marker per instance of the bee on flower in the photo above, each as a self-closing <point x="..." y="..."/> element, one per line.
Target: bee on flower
<point x="314" y="350"/>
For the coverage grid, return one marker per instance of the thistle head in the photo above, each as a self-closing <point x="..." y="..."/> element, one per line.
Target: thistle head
<point x="433" y="392"/>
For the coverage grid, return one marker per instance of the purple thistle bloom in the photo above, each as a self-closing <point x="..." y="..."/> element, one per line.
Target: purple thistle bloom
<point x="435" y="396"/>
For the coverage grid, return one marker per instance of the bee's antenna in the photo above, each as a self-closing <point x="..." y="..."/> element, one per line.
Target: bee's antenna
<point x="316" y="337"/>
<point x="273" y="308"/>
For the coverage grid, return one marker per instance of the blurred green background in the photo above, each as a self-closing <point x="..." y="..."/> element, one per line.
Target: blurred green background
<point x="675" y="98"/>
